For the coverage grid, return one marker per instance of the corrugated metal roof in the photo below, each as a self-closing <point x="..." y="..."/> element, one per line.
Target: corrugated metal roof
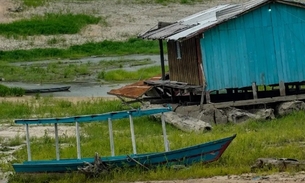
<point x="133" y="91"/>
<point x="201" y="21"/>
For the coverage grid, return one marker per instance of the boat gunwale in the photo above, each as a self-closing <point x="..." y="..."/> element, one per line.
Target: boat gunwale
<point x="95" y="117"/>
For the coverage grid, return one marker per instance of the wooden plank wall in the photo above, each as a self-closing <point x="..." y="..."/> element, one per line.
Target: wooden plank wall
<point x="186" y="69"/>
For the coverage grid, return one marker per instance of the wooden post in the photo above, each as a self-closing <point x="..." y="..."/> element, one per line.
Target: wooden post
<point x="229" y="91"/>
<point x="287" y="88"/>
<point x="282" y="88"/>
<point x="191" y="95"/>
<point x="202" y="98"/>
<point x="297" y="88"/>
<point x="28" y="144"/>
<point x="56" y="142"/>
<point x="162" y="58"/>
<point x="111" y="136"/>
<point x="208" y="97"/>
<point x="254" y="90"/>
<point x="172" y="94"/>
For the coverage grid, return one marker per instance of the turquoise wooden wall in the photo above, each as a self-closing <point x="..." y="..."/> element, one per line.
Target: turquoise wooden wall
<point x="266" y="46"/>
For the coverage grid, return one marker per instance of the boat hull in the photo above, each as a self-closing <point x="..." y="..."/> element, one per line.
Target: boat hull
<point x="203" y="153"/>
<point x="48" y="90"/>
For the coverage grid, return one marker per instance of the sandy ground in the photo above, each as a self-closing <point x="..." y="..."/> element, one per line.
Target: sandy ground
<point x="245" y="178"/>
<point x="123" y="19"/>
<point x="10" y="130"/>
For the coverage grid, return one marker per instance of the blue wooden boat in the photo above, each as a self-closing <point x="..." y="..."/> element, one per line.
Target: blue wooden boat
<point x="206" y="152"/>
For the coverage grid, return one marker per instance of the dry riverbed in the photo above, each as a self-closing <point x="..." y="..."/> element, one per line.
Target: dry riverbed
<point x="124" y="19"/>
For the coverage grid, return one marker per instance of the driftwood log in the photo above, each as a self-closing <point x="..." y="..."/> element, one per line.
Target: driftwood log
<point x="183" y="122"/>
<point x="282" y="163"/>
<point x="94" y="169"/>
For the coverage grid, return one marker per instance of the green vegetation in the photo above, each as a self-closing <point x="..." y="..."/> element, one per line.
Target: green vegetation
<point x="60" y="71"/>
<point x="282" y="137"/>
<point x="123" y="75"/>
<point x="104" y="48"/>
<point x="10" y="91"/>
<point x="34" y="3"/>
<point x="49" y="24"/>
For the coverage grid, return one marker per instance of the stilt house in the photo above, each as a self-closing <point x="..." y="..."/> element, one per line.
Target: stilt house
<point x="235" y="51"/>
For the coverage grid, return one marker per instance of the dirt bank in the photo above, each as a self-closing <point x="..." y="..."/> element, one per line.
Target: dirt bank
<point x="124" y="19"/>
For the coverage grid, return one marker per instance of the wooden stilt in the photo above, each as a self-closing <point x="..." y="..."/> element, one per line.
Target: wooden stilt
<point x="208" y="97"/>
<point x="162" y="59"/>
<point x="191" y="96"/>
<point x="202" y="98"/>
<point x="282" y="88"/>
<point x="297" y="87"/>
<point x="235" y="90"/>
<point x="254" y="90"/>
<point x="287" y="88"/>
<point x="229" y="91"/>
<point x="172" y="94"/>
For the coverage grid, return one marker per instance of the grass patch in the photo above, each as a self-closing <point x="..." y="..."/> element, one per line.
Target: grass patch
<point x="104" y="48"/>
<point x="11" y="91"/>
<point x="49" y="24"/>
<point x="277" y="138"/>
<point x="123" y="75"/>
<point x="34" y="3"/>
<point x="17" y="140"/>
<point x="62" y="71"/>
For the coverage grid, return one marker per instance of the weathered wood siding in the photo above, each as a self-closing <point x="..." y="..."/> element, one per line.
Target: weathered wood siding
<point x="187" y="69"/>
